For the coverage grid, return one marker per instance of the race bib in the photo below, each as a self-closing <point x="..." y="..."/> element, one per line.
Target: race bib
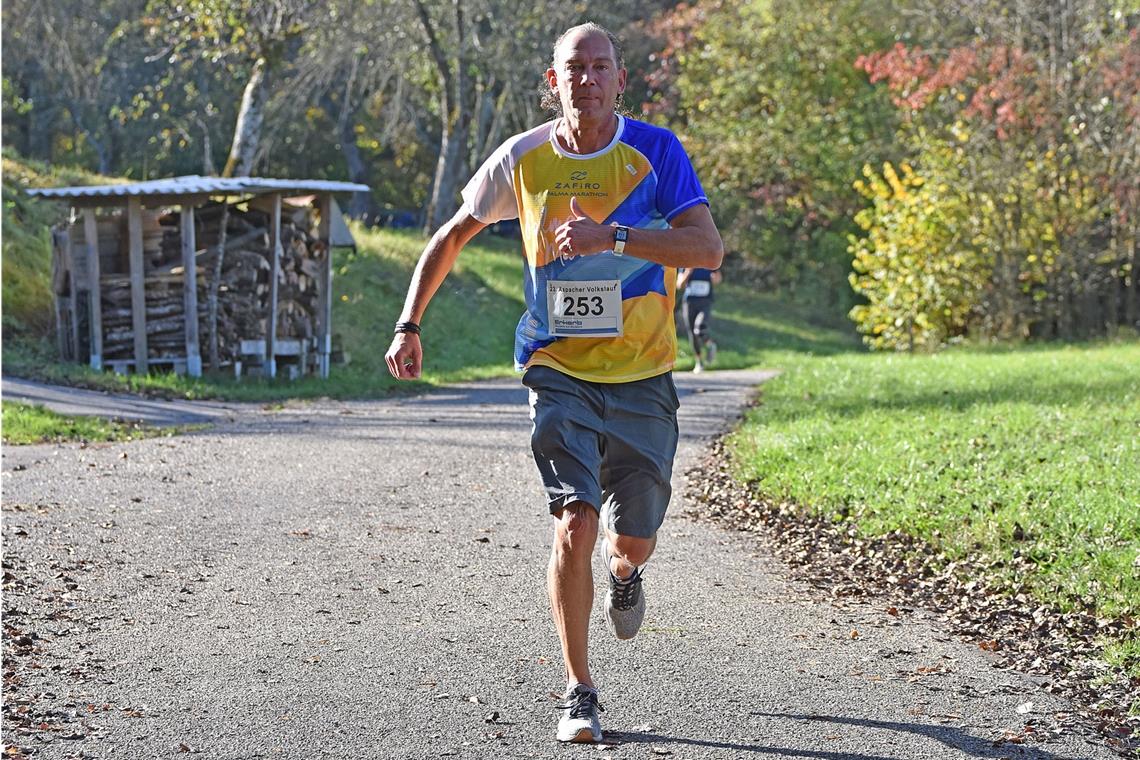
<point x="584" y="309"/>
<point x="698" y="289"/>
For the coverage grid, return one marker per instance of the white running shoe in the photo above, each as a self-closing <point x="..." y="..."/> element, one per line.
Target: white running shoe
<point x="580" y="721"/>
<point x="625" y="600"/>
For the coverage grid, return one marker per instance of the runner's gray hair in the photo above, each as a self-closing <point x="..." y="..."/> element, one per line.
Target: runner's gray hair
<point x="550" y="100"/>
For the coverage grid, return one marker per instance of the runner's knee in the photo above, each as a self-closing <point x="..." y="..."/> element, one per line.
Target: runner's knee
<point x="576" y="529"/>
<point x="633" y="550"/>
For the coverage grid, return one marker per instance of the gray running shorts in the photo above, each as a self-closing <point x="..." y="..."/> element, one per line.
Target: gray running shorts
<point x="610" y="445"/>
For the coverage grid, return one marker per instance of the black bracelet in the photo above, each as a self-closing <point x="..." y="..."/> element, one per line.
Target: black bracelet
<point x="407" y="327"/>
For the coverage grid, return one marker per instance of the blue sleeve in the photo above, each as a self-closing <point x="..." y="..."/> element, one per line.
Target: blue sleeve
<point x="677" y="185"/>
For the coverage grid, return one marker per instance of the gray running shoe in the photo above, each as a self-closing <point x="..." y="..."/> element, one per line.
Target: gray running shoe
<point x="580" y="721"/>
<point x="625" y="601"/>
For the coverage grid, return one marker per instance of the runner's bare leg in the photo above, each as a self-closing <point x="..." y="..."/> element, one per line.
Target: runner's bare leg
<point x="570" y="582"/>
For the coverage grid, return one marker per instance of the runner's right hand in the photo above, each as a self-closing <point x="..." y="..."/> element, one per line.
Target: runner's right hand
<point x="405" y="356"/>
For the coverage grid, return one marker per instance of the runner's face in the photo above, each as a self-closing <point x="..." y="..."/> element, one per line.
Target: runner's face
<point x="586" y="77"/>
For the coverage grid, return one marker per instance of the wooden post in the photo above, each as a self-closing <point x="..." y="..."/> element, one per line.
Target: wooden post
<point x="95" y="297"/>
<point x="138" y="282"/>
<point x="73" y="288"/>
<point x="190" y="292"/>
<point x="275" y="246"/>
<point x="60" y="279"/>
<point x="324" y="299"/>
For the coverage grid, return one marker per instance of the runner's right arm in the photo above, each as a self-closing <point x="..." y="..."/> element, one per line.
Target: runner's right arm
<point x="405" y="355"/>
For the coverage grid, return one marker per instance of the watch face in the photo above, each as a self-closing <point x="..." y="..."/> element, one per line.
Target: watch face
<point x="621" y="234"/>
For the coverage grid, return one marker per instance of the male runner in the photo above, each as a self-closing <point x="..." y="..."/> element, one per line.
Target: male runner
<point x="609" y="207"/>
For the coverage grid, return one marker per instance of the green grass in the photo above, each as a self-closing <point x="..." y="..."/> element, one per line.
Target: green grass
<point x="982" y="453"/>
<point x="1125" y="655"/>
<point x="25" y="423"/>
<point x="753" y="330"/>
<point x="27" y="241"/>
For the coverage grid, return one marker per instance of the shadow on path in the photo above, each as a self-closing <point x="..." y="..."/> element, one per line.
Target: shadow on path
<point x="953" y="738"/>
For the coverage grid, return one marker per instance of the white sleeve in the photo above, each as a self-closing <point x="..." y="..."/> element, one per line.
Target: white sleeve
<point x="490" y="194"/>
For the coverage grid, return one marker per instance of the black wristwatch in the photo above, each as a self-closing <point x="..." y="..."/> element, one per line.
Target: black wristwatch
<point x="621" y="235"/>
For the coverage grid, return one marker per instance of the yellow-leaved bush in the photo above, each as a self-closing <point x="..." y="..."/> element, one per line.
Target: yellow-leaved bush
<point x="915" y="265"/>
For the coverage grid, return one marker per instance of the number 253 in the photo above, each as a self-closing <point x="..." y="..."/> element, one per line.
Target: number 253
<point x="582" y="306"/>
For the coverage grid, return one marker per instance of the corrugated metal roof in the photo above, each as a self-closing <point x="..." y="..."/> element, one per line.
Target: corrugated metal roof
<point x="194" y="184"/>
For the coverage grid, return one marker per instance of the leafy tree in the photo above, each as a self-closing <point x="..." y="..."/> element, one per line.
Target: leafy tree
<point x="254" y="37"/>
<point x="778" y="122"/>
<point x="918" y="265"/>
<point x="1045" y="100"/>
<point x="69" y="76"/>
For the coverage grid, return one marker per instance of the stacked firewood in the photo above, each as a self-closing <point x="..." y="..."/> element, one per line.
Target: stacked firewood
<point x="239" y="289"/>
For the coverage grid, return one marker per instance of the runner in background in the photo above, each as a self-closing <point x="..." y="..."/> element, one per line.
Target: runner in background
<point x="697" y="285"/>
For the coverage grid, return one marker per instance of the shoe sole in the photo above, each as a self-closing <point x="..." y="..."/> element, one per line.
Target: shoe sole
<point x="584" y="736"/>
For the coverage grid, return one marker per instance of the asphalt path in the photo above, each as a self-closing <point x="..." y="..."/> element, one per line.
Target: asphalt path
<point x="367" y="580"/>
<point x="91" y="403"/>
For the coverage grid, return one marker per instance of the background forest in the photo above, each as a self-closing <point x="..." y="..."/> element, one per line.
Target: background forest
<point x="931" y="170"/>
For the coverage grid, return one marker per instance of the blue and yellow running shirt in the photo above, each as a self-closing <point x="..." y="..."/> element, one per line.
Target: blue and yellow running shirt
<point x="642" y="179"/>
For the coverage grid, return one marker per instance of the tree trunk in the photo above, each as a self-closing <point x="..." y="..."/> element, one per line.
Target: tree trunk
<point x="42" y="121"/>
<point x="208" y="167"/>
<point x="451" y="163"/>
<point x="247" y="131"/>
<point x="362" y="206"/>
<point x="456" y="113"/>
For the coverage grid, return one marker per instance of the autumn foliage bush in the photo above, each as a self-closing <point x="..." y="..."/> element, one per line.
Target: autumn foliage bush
<point x="1021" y="216"/>
<point x="916" y="263"/>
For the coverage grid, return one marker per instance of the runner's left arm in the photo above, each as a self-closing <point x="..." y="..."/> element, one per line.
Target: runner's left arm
<point x="692" y="240"/>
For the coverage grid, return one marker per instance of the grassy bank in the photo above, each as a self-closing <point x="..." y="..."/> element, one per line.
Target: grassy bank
<point x="983" y="453"/>
<point x="25" y="423"/>
<point x="27" y="242"/>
